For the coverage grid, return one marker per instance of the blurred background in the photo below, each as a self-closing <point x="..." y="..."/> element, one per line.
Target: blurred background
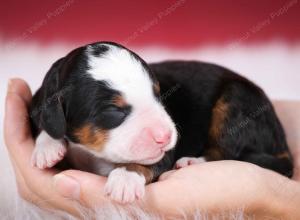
<point x="260" y="39"/>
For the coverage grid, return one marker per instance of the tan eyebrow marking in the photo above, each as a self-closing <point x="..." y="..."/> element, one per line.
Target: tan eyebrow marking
<point x="119" y="101"/>
<point x="91" y="137"/>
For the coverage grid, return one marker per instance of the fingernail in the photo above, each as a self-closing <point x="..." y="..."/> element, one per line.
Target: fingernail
<point x="66" y="186"/>
<point x="9" y="85"/>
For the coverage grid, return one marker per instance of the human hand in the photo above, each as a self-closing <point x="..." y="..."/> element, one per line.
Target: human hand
<point x="220" y="186"/>
<point x="42" y="187"/>
<point x="225" y="187"/>
<point x="289" y="115"/>
<point x="211" y="187"/>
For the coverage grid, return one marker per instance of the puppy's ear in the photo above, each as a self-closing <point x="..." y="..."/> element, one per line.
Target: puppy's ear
<point x="52" y="115"/>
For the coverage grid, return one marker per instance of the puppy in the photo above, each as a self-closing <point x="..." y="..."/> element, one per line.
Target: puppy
<point x="106" y="111"/>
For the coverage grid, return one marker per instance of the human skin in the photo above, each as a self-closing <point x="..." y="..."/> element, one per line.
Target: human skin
<point x="213" y="187"/>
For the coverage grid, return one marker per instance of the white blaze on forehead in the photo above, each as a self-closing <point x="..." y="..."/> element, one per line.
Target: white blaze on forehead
<point x="122" y="71"/>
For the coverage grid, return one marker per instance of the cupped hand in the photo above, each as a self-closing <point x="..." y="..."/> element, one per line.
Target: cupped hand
<point x="210" y="187"/>
<point x="46" y="188"/>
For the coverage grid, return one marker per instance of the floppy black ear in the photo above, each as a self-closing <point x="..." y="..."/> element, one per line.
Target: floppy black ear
<point x="52" y="115"/>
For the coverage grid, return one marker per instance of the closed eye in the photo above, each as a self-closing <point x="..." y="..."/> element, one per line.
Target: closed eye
<point x="112" y="116"/>
<point x="111" y="108"/>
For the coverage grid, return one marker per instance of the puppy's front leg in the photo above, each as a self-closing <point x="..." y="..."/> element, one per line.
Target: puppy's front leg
<point x="47" y="151"/>
<point x="126" y="183"/>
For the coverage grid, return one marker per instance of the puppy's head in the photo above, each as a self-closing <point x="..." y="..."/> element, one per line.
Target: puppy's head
<point x="107" y="101"/>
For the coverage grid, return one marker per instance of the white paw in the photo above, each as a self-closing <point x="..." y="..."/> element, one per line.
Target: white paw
<point x="186" y="161"/>
<point x="125" y="186"/>
<point x="47" y="151"/>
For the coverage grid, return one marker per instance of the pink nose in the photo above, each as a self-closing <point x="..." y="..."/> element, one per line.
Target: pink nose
<point x="161" y="136"/>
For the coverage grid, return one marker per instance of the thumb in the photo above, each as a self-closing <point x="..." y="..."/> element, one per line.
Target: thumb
<point x="87" y="188"/>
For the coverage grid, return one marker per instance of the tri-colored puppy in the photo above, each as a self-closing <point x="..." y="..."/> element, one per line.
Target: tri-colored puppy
<point x="106" y="111"/>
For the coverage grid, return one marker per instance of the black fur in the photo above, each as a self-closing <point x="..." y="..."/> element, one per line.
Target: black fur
<point x="190" y="91"/>
<point x="251" y="131"/>
<point x="69" y="95"/>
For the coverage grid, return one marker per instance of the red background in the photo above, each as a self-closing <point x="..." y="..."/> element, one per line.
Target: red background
<point x="191" y="23"/>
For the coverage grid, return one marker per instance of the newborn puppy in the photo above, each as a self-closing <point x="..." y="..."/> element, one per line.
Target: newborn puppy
<point x="106" y="111"/>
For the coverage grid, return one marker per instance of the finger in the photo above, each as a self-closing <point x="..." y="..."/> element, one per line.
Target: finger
<point x="20" y="145"/>
<point x="16" y="122"/>
<point x="16" y="130"/>
<point x="22" y="187"/>
<point x="18" y="138"/>
<point x="84" y="187"/>
<point x="20" y="87"/>
<point x="296" y="158"/>
<point x="166" y="175"/>
<point x="25" y="192"/>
